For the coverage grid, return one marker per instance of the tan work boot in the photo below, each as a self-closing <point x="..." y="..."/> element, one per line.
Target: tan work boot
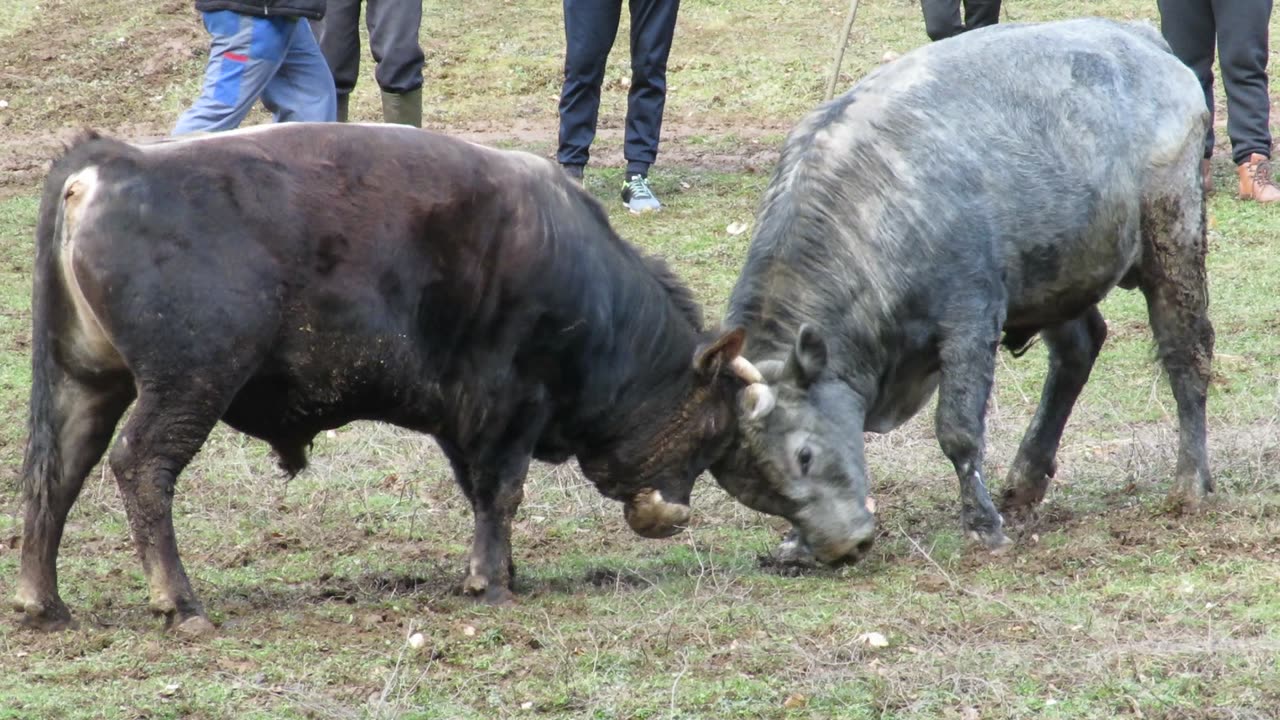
<point x="1206" y="176"/>
<point x="1255" y="179"/>
<point x="403" y="109"/>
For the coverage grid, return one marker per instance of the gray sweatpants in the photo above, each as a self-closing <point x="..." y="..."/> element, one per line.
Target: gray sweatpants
<point x="393" y="39"/>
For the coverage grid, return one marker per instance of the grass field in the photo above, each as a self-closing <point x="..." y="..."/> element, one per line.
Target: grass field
<point x="1106" y="608"/>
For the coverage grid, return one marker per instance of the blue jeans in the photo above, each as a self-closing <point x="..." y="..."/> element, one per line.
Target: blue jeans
<point x="272" y="58"/>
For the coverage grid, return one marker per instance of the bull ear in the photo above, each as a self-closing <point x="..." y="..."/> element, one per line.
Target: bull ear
<point x="709" y="359"/>
<point x="809" y="356"/>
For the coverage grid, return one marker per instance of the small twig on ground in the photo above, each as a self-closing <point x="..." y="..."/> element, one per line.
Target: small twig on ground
<point x="684" y="668"/>
<point x="971" y="593"/>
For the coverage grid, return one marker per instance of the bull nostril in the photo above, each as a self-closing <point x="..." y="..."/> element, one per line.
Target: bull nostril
<point x="865" y="546"/>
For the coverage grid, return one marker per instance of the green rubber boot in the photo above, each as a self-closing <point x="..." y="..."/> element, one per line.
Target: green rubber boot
<point x="403" y="109"/>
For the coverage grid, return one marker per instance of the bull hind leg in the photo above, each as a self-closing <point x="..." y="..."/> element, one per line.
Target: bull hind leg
<point x="1173" y="279"/>
<point x="968" y="372"/>
<point x="65" y="445"/>
<point x="1073" y="348"/>
<point x="161" y="436"/>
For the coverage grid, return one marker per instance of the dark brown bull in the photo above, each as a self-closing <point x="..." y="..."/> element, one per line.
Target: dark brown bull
<point x="296" y="278"/>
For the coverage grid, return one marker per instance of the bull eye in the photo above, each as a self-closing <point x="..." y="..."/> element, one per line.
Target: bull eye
<point x="804" y="457"/>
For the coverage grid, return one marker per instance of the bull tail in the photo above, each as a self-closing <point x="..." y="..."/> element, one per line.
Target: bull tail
<point x="42" y="464"/>
<point x="51" y="311"/>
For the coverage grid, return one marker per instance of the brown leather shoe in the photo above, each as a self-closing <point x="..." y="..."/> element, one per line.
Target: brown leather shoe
<point x="1206" y="176"/>
<point x="1255" y="180"/>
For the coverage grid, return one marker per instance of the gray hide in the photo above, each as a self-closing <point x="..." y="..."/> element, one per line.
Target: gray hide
<point x="977" y="191"/>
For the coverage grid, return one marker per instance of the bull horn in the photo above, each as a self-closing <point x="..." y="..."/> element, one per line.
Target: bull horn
<point x="871" y="505"/>
<point x="758" y="400"/>
<point x="651" y="516"/>
<point x="743" y="368"/>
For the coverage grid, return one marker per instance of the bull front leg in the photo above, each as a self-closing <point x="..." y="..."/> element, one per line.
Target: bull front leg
<point x="968" y="372"/>
<point x="494" y="483"/>
<point x="496" y="496"/>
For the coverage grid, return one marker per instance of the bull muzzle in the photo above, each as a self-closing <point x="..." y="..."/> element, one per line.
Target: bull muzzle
<point x="844" y="548"/>
<point x="649" y="515"/>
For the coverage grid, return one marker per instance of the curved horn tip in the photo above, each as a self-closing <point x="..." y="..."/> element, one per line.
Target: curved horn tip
<point x="743" y="368"/>
<point x="650" y="515"/>
<point x="759" y="400"/>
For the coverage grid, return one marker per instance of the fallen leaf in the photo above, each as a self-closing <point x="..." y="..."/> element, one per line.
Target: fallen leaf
<point x="794" y="701"/>
<point x="736" y="228"/>
<point x="969" y="714"/>
<point x="417" y="641"/>
<point x="873" y="639"/>
<point x="526" y="705"/>
<point x="469" y="631"/>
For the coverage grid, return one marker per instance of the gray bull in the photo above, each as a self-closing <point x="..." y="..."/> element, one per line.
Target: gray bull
<point x="998" y="183"/>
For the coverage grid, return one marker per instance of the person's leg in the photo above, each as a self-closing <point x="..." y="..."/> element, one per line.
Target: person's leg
<point x="236" y="73"/>
<point x="653" y="25"/>
<point x="590" y="27"/>
<point x="302" y="89"/>
<point x="1188" y="27"/>
<point x="1242" y="52"/>
<point x="393" y="38"/>
<point x="941" y="18"/>
<point x="339" y="38"/>
<point x="981" y="13"/>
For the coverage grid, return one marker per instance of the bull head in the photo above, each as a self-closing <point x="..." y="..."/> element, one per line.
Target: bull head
<point x="798" y="452"/>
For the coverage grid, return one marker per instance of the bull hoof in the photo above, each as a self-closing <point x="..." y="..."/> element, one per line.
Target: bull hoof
<point x="46" y="622"/>
<point x="195" y="627"/>
<point x="1020" y="503"/>
<point x="993" y="540"/>
<point x="48" y="616"/>
<point x="1180" y="502"/>
<point x="479" y="587"/>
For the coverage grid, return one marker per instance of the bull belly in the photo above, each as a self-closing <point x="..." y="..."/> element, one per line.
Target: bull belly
<point x="900" y="400"/>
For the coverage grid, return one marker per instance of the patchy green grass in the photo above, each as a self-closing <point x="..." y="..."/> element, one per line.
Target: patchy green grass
<point x="1107" y="608"/>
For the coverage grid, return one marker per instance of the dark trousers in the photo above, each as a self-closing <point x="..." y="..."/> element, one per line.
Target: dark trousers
<point x="393" y="40"/>
<point x="1240" y="28"/>
<point x="942" y="17"/>
<point x="590" y="27"/>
